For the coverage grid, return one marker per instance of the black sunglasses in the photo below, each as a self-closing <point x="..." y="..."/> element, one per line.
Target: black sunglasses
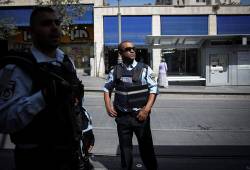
<point x="128" y="49"/>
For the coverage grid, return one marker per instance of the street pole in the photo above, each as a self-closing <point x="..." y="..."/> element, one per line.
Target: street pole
<point x="119" y="31"/>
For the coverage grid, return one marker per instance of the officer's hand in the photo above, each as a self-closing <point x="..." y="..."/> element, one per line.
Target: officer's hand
<point x="112" y="112"/>
<point x="53" y="86"/>
<point x="54" y="92"/>
<point x="88" y="140"/>
<point x="49" y="92"/>
<point x="143" y="114"/>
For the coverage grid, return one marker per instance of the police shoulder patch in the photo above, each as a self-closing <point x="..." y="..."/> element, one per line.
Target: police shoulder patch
<point x="8" y="92"/>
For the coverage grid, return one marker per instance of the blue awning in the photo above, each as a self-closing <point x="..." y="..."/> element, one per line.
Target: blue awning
<point x="134" y="28"/>
<point x="21" y="16"/>
<point x="184" y="25"/>
<point x="244" y="2"/>
<point x="237" y="24"/>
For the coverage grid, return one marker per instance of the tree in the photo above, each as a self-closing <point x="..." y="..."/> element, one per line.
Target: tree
<point x="7" y="26"/>
<point x="5" y="1"/>
<point x="67" y="10"/>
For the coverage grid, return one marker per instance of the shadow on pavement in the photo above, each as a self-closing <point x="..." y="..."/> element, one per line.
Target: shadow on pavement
<point x="185" y="158"/>
<point x="7" y="159"/>
<point x="169" y="158"/>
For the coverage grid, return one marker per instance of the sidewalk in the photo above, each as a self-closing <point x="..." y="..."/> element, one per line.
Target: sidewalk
<point x="95" y="84"/>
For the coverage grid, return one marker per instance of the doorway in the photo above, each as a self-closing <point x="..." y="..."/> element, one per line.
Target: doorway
<point x="181" y="61"/>
<point x="81" y="55"/>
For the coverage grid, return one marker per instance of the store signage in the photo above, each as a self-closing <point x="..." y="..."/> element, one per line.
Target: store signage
<point x="169" y="51"/>
<point x="78" y="34"/>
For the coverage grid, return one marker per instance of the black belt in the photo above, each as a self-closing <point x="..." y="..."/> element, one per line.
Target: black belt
<point x="122" y="113"/>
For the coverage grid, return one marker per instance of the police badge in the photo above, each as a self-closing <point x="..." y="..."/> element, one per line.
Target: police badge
<point x="7" y="92"/>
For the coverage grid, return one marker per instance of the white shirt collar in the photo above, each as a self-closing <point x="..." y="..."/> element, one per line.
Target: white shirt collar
<point x="131" y="66"/>
<point x="41" y="57"/>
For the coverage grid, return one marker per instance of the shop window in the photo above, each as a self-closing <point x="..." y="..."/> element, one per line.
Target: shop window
<point x="26" y="35"/>
<point x="222" y="42"/>
<point x="181" y="61"/>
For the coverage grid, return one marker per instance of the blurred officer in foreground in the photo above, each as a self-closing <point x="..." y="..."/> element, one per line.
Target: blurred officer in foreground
<point x="41" y="100"/>
<point x="135" y="93"/>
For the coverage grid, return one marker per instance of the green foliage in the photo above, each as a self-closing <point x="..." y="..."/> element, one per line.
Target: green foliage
<point x="7" y="25"/>
<point x="62" y="7"/>
<point x="5" y="1"/>
<point x="8" y="28"/>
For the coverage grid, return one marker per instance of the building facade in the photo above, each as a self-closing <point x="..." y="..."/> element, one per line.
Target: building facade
<point x="197" y="2"/>
<point x="77" y="41"/>
<point x="207" y="43"/>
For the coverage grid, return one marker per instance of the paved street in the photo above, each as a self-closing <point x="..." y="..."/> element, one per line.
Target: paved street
<point x="189" y="131"/>
<point x="203" y="132"/>
<point x="182" y="120"/>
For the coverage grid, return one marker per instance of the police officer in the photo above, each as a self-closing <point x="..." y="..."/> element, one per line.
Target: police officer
<point x="135" y="93"/>
<point x="38" y="102"/>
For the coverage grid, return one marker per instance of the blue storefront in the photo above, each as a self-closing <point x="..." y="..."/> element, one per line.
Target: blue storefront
<point x="185" y="43"/>
<point x="133" y="28"/>
<point x="77" y="42"/>
<point x="183" y="58"/>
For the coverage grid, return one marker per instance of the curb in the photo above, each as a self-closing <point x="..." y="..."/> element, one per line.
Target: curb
<point x="91" y="89"/>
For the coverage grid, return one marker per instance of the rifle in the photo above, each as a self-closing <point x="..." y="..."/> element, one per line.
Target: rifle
<point x="67" y="82"/>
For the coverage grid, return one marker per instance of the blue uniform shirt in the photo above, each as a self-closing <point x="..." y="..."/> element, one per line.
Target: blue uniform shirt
<point x="148" y="77"/>
<point x="19" y="108"/>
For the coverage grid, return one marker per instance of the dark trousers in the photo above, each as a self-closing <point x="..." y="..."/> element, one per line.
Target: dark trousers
<point x="127" y="124"/>
<point x="44" y="158"/>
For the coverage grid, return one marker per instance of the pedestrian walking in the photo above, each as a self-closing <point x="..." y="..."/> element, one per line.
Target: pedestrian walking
<point x="135" y="93"/>
<point x="41" y="100"/>
<point x="162" y="76"/>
